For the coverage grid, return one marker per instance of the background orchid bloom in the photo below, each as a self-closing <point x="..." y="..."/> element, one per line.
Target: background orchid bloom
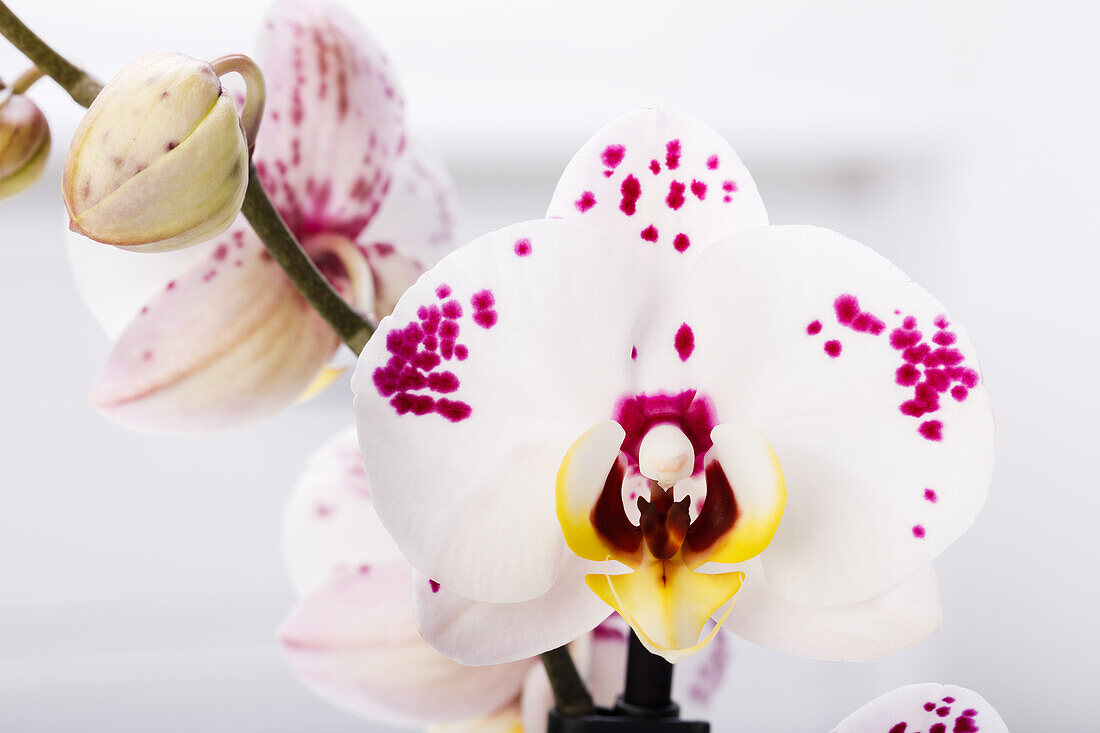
<point x="653" y="377"/>
<point x="216" y="335"/>
<point x="925" y="708"/>
<point x="353" y="640"/>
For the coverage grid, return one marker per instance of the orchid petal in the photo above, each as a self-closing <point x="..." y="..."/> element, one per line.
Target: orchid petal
<point x="928" y="707"/>
<point x="868" y="392"/>
<point x="393" y="273"/>
<point x="353" y="642"/>
<point x="746" y="464"/>
<point x="329" y="525"/>
<point x="534" y="350"/>
<point x="661" y="182"/>
<point x="116" y="284"/>
<point x="471" y="632"/>
<point x="227" y="342"/>
<point x="333" y="125"/>
<point x="668" y="605"/>
<point x="420" y="212"/>
<point x="873" y="629"/>
<point x="505" y="720"/>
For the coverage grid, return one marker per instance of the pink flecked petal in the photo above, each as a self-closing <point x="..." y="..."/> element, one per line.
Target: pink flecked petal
<point x="547" y="341"/>
<point x="420" y="212"/>
<point x="228" y="342"/>
<point x="659" y="185"/>
<point x="471" y="632"/>
<point x="873" y="629"/>
<point x="353" y="642"/>
<point x="333" y="126"/>
<point x="329" y="525"/>
<point x="854" y="456"/>
<point x="925" y="708"/>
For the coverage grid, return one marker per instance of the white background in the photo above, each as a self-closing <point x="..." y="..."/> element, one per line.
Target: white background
<point x="140" y="577"/>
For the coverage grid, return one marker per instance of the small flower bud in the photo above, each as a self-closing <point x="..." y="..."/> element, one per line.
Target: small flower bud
<point x="24" y="143"/>
<point x="160" y="161"/>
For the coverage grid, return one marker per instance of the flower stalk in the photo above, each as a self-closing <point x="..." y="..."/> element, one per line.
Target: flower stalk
<point x="571" y="697"/>
<point x="352" y="328"/>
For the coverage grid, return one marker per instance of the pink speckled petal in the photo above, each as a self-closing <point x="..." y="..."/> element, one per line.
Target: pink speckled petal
<point x="329" y="525"/>
<point x="470" y="393"/>
<point x="228" y="342"/>
<point x="877" y="628"/>
<point x="472" y="632"/>
<point x="420" y="212"/>
<point x="333" y="125"/>
<point x="663" y="183"/>
<point x="925" y="708"/>
<point x="353" y="642"/>
<point x="802" y="334"/>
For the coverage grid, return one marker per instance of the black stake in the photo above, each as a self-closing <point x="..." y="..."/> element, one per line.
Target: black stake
<point x="648" y="691"/>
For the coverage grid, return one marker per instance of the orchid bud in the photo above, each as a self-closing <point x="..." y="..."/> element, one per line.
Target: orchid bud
<point x="160" y="161"/>
<point x="24" y="143"/>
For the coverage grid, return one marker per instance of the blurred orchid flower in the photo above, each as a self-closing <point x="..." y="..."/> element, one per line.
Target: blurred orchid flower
<point x="653" y="377"/>
<point x="927" y="707"/>
<point x="353" y="640"/>
<point x="215" y="335"/>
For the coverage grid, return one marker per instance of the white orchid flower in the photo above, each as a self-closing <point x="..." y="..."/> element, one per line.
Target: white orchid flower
<point x="353" y="640"/>
<point x="614" y="407"/>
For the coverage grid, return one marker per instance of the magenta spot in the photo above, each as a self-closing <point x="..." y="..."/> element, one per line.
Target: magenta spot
<point x="901" y="338"/>
<point x="322" y="510"/>
<point x="943" y="712"/>
<point x="452" y="309"/>
<point x="461" y="352"/>
<point x="675" y="197"/>
<point x="814" y="328"/>
<point x="655" y="166"/>
<point x="941" y="322"/>
<point x="486" y="318"/>
<point x="907" y="375"/>
<point x="147" y="355"/>
<point x="916" y="354"/>
<point x="144" y="309"/>
<point x="968" y="377"/>
<point x="585" y="202"/>
<point x="918" y="532"/>
<point x="649" y="234"/>
<point x="959" y="392"/>
<point x="672" y="154"/>
<point x="699" y="189"/>
<point x="483" y="299"/>
<point x="949" y="700"/>
<point x="944" y="338"/>
<point x="443" y="291"/>
<point x="443" y="382"/>
<point x="970" y="713"/>
<point x="221" y="252"/>
<point x="631" y="191"/>
<point x="684" y="341"/>
<point x="909" y="322"/>
<point x="929" y="706"/>
<point x="448" y="330"/>
<point x="172" y="284"/>
<point x="727" y="198"/>
<point x="847" y="308"/>
<point x="930" y="495"/>
<point x="426" y="360"/>
<point x="633" y="352"/>
<point x="453" y="410"/>
<point x="937" y="379"/>
<point x="938" y="728"/>
<point x="932" y="430"/>
<point x="433" y="585"/>
<point x="832" y="348"/>
<point x="712" y="162"/>
<point x="899" y="728"/>
<point x="608" y="174"/>
<point x="681" y="242"/>
<point x="612" y="155"/>
<point x="729" y="186"/>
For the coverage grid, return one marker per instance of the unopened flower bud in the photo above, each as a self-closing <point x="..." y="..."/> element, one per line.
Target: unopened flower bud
<point x="24" y="143"/>
<point x="160" y="161"/>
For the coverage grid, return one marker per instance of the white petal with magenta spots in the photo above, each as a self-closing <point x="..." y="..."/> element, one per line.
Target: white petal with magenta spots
<point x="874" y="491"/>
<point x="662" y="182"/>
<point x="491" y="365"/>
<point x="925" y="708"/>
<point x="333" y="125"/>
<point x="329" y="524"/>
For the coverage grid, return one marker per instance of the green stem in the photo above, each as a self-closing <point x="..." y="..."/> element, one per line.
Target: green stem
<point x="82" y="87"/>
<point x="350" y="326"/>
<point x="570" y="695"/>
